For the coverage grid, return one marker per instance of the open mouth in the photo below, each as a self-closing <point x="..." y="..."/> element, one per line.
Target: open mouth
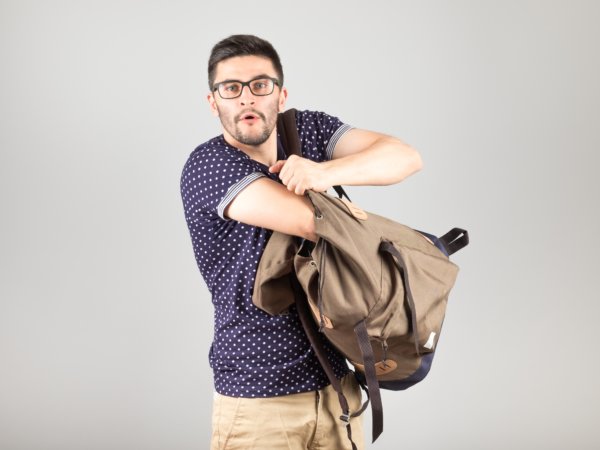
<point x="249" y="117"/>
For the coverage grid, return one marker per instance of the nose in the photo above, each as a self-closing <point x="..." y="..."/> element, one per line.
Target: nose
<point x="246" y="97"/>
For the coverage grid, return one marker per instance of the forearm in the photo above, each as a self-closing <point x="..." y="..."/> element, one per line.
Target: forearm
<point x="386" y="161"/>
<point x="361" y="157"/>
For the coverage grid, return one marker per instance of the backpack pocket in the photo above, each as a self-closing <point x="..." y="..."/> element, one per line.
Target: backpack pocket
<point x="420" y="284"/>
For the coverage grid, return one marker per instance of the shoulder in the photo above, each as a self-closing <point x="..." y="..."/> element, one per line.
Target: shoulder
<point x="213" y="156"/>
<point x="319" y="133"/>
<point x="319" y="118"/>
<point x="215" y="148"/>
<point x="319" y="123"/>
<point x="214" y="172"/>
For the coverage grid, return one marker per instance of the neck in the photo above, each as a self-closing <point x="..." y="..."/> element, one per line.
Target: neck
<point x="265" y="153"/>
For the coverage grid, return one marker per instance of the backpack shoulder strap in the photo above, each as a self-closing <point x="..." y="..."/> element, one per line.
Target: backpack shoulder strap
<point x="286" y="127"/>
<point x="310" y="328"/>
<point x="288" y="131"/>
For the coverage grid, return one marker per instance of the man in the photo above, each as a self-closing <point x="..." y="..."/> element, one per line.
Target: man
<point x="271" y="392"/>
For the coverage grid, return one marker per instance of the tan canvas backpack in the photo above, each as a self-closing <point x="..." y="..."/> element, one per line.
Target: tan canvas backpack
<point x="376" y="289"/>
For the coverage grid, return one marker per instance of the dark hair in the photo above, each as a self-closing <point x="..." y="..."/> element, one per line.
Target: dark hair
<point x="242" y="45"/>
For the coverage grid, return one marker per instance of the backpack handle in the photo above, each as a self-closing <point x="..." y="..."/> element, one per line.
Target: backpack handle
<point x="454" y="240"/>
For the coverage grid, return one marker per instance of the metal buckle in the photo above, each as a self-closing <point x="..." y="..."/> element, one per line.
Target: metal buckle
<point x="345" y="417"/>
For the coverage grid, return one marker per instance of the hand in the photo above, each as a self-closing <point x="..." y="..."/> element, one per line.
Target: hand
<point x="301" y="174"/>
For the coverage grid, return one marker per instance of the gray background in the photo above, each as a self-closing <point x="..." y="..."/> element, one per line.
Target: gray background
<point x="105" y="322"/>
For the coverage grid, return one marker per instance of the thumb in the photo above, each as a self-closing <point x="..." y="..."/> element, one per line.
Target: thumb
<point x="275" y="168"/>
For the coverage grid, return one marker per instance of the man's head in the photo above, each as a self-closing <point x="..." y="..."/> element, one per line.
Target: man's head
<point x="246" y="84"/>
<point x="242" y="45"/>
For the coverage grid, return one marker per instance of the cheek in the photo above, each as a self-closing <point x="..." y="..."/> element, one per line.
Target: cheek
<point x="222" y="112"/>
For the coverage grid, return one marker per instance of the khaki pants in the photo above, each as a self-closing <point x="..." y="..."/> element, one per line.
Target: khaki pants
<point x="309" y="420"/>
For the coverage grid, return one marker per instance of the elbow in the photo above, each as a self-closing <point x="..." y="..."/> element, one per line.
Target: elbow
<point x="306" y="225"/>
<point x="308" y="230"/>
<point x="411" y="161"/>
<point x="417" y="161"/>
<point x="408" y="160"/>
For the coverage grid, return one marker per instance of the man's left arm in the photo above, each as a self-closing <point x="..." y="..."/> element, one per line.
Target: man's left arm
<point x="360" y="157"/>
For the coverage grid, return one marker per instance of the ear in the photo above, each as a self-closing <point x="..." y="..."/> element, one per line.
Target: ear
<point x="282" y="98"/>
<point x="213" y="104"/>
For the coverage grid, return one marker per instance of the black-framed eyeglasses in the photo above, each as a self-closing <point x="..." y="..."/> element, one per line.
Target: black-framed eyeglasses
<point x="259" y="86"/>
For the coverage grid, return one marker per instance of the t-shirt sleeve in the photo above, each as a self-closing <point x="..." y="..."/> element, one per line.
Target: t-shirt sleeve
<point x="319" y="133"/>
<point x="211" y="178"/>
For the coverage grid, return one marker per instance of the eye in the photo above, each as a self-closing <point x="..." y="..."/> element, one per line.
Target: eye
<point x="261" y="85"/>
<point x="231" y="87"/>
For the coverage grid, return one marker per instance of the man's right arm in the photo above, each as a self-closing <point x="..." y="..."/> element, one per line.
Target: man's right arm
<point x="268" y="204"/>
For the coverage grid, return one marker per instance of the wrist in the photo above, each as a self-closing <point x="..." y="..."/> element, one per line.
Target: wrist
<point x="329" y="174"/>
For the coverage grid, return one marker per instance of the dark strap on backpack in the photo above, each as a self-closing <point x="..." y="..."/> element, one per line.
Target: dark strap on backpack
<point x="310" y="328"/>
<point x="371" y="376"/>
<point x="454" y="240"/>
<point x="365" y="344"/>
<point x="388" y="247"/>
<point x="288" y="132"/>
<point x="287" y="129"/>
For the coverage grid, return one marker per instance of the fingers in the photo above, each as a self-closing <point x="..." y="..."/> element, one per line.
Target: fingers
<point x="295" y="173"/>
<point x="298" y="189"/>
<point x="275" y="168"/>
<point x="294" y="184"/>
<point x="286" y="170"/>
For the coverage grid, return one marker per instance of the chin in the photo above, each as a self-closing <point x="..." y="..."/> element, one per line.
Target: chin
<point x="253" y="140"/>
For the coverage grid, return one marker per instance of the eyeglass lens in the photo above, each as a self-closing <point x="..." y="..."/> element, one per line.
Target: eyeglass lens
<point x="232" y="89"/>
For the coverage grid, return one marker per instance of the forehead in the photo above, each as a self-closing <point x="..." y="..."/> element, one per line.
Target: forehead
<point x="244" y="68"/>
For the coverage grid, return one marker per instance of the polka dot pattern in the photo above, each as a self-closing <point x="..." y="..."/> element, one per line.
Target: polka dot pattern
<point x="253" y="354"/>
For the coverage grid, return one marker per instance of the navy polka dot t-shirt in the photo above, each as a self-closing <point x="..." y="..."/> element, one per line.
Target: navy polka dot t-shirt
<point x="253" y="354"/>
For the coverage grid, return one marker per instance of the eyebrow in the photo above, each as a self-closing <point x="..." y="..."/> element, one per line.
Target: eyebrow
<point x="262" y="75"/>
